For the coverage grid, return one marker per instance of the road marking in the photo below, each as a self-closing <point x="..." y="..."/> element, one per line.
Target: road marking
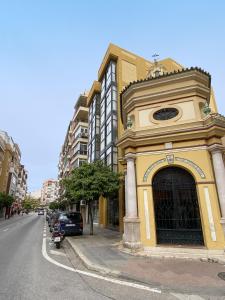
<point x="6" y="229"/>
<point x="44" y="235"/>
<point x="57" y="253"/>
<point x="112" y="280"/>
<point x="187" y="297"/>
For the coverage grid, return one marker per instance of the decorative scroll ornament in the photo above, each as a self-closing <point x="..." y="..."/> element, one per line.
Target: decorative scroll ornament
<point x="170" y="159"/>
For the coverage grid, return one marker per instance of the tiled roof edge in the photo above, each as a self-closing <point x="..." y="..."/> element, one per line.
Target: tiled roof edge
<point x="166" y="75"/>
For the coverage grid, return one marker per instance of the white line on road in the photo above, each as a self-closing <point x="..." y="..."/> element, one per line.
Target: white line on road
<point x="6" y="229"/>
<point x="112" y="280"/>
<point x="57" y="253"/>
<point x="187" y="297"/>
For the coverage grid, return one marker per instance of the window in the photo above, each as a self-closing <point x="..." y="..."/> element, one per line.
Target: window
<point x="108" y="131"/>
<point x="97" y="125"/>
<point x="108" y="102"/>
<point x="165" y="114"/>
<point x="102" y="157"/>
<point x="83" y="149"/>
<point x="103" y="111"/>
<point x="114" y="98"/>
<point x="108" y="157"/>
<point x="82" y="161"/>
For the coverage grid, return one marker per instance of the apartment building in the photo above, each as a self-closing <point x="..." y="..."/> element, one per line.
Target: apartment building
<point x="74" y="149"/>
<point x="21" y="189"/>
<point x="35" y="194"/>
<point x="2" y="155"/>
<point x="79" y="133"/>
<point x="10" y="165"/>
<point x="13" y="176"/>
<point x="49" y="191"/>
<point x="14" y="171"/>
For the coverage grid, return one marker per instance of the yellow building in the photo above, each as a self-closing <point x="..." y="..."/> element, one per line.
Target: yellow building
<point x="6" y="158"/>
<point x="158" y="120"/>
<point x="118" y="68"/>
<point x="173" y="153"/>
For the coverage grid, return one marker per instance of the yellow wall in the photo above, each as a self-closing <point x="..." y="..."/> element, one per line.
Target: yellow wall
<point x="200" y="158"/>
<point x="102" y="211"/>
<point x="5" y="170"/>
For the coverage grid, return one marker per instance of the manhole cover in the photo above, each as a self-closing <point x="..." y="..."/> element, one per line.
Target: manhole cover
<point x="221" y="275"/>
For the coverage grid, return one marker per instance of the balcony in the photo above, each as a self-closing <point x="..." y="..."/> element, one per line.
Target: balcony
<point x="81" y="114"/>
<point x="81" y="123"/>
<point x="80" y="152"/>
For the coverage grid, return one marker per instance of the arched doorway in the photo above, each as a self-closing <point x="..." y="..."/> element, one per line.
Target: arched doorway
<point x="176" y="207"/>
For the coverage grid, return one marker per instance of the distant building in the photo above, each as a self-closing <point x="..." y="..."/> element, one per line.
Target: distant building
<point x="36" y="194"/>
<point x="49" y="191"/>
<point x="21" y="189"/>
<point x="13" y="176"/>
<point x="74" y="149"/>
<point x="6" y="157"/>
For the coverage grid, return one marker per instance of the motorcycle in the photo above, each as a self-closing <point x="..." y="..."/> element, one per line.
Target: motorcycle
<point x="57" y="236"/>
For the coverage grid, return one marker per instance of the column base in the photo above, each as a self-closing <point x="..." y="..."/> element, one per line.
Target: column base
<point x="131" y="236"/>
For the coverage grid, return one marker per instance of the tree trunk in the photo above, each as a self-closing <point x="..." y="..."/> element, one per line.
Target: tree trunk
<point x="90" y="217"/>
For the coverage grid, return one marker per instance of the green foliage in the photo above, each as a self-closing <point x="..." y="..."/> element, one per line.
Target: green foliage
<point x="30" y="203"/>
<point x="90" y="181"/>
<point x="54" y="205"/>
<point x="58" y="204"/>
<point x="6" y="200"/>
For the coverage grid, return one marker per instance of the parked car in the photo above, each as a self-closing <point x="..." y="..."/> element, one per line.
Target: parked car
<point x="40" y="211"/>
<point x="71" y="223"/>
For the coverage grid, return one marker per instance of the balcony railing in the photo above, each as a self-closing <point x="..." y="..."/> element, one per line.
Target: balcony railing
<point x="80" y="152"/>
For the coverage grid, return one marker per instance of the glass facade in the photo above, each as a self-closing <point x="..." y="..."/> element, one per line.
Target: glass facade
<point x="108" y="117"/>
<point x="102" y="121"/>
<point x="108" y="134"/>
<point x="94" y="129"/>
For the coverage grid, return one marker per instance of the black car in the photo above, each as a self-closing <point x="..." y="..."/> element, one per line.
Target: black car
<point x="71" y="223"/>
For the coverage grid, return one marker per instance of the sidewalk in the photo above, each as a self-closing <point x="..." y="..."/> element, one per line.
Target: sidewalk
<point x="101" y="253"/>
<point x="14" y="217"/>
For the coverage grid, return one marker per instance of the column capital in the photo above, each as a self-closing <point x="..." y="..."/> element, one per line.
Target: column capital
<point x="216" y="148"/>
<point x="130" y="156"/>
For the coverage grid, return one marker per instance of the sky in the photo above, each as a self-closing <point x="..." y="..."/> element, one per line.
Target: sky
<point x="50" y="53"/>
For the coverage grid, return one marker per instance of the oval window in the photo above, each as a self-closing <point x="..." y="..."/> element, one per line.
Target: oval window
<point x="165" y="113"/>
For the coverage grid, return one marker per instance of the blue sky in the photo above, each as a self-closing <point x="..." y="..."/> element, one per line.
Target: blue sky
<point x="50" y="52"/>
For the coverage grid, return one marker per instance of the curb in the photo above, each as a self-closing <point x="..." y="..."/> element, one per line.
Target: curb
<point x="91" y="266"/>
<point x="114" y="273"/>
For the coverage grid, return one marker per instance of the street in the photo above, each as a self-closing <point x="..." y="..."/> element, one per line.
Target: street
<point x="31" y="270"/>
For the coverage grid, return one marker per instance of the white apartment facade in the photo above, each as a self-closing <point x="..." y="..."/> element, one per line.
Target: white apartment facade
<point x="49" y="192"/>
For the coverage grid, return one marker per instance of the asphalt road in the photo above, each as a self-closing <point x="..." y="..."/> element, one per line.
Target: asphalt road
<point x="26" y="274"/>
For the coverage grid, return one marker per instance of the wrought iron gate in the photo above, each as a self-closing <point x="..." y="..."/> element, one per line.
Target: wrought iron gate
<point x="176" y="208"/>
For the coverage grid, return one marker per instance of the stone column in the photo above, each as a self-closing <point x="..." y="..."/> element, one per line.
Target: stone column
<point x="219" y="170"/>
<point x="125" y="174"/>
<point x="131" y="237"/>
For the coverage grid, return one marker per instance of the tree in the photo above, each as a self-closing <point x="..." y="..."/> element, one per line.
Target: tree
<point x="59" y="204"/>
<point x="6" y="200"/>
<point x="30" y="203"/>
<point x="89" y="182"/>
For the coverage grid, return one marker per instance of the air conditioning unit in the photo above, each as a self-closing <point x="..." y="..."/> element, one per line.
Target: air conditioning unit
<point x="82" y="202"/>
